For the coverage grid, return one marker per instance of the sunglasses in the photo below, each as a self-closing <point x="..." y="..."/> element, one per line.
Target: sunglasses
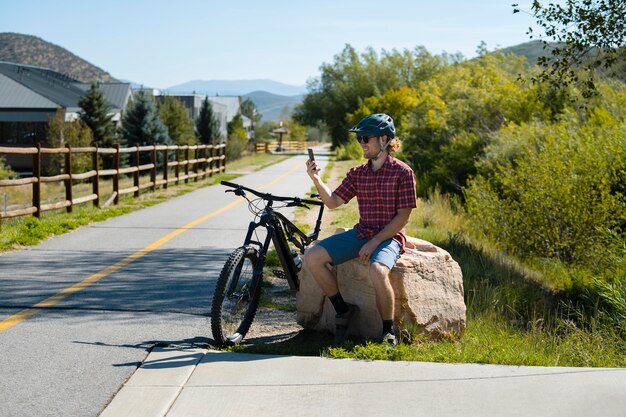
<point x="364" y="139"/>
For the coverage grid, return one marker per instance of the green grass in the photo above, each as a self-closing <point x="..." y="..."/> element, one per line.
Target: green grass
<point x="28" y="230"/>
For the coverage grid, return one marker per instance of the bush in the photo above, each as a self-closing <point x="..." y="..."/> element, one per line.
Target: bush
<point x="5" y="171"/>
<point x="351" y="150"/>
<point x="561" y="196"/>
<point x="236" y="145"/>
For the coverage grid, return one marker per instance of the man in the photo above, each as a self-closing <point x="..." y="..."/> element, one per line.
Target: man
<point x="385" y="191"/>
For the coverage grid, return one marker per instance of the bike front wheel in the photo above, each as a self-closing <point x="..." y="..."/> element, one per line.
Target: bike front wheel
<point x="236" y="297"/>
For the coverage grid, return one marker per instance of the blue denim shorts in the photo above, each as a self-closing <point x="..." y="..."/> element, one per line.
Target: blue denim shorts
<point x="345" y="246"/>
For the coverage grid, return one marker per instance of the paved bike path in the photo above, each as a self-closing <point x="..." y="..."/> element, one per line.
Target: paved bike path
<point x="113" y="290"/>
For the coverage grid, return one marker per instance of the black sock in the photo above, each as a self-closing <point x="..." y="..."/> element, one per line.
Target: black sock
<point x="340" y="306"/>
<point x="388" y="327"/>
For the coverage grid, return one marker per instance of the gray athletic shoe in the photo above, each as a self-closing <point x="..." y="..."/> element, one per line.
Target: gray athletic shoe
<point x="344" y="324"/>
<point x="389" y="339"/>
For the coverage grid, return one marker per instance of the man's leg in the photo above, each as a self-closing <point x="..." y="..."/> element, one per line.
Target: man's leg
<point x="317" y="259"/>
<point x="379" y="274"/>
<point x="381" y="262"/>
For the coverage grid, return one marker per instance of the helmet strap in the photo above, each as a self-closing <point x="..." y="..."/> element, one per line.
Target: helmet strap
<point x="383" y="147"/>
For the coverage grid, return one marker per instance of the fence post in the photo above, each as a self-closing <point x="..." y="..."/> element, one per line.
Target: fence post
<point x="187" y="164"/>
<point x="210" y="156"/>
<point x="68" y="182"/>
<point x="116" y="176"/>
<point x="165" y="167"/>
<point x="136" y="173"/>
<point x="37" y="184"/>
<point x="223" y="161"/>
<point x="153" y="155"/>
<point x="177" y="170"/>
<point x="95" y="182"/>
<point x="196" y="165"/>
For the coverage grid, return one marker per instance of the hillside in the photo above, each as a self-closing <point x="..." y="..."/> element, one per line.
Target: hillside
<point x="238" y="87"/>
<point x="271" y="105"/>
<point x="531" y="50"/>
<point x="31" y="50"/>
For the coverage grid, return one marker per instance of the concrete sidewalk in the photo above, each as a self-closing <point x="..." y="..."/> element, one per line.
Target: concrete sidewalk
<point x="199" y="382"/>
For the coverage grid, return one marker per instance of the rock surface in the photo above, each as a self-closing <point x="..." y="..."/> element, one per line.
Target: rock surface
<point x="428" y="288"/>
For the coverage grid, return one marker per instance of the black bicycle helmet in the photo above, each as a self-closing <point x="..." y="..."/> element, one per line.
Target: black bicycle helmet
<point x="375" y="125"/>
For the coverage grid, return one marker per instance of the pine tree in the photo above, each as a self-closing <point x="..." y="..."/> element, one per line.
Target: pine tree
<point x="95" y="113"/>
<point x="207" y="125"/>
<point x="141" y="124"/>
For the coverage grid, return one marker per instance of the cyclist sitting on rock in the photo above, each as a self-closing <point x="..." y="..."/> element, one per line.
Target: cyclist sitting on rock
<point x="385" y="192"/>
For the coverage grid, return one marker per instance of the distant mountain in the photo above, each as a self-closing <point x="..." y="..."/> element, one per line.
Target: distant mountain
<point x="237" y="87"/>
<point x="271" y="105"/>
<point x="31" y="50"/>
<point x="531" y="50"/>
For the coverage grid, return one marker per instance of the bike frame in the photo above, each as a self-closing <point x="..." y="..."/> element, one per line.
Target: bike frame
<point x="280" y="231"/>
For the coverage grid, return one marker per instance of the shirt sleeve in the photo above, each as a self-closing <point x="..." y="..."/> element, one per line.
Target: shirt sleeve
<point x="407" y="196"/>
<point x="347" y="189"/>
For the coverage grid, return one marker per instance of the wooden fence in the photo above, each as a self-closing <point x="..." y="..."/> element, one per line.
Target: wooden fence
<point x="287" y="145"/>
<point x="187" y="162"/>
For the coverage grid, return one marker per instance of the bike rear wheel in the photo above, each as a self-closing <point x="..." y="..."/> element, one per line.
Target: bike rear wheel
<point x="236" y="297"/>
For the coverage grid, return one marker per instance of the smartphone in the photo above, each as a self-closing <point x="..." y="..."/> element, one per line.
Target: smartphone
<point x="311" y="156"/>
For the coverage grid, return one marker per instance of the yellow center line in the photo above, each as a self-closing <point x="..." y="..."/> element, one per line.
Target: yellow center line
<point x="19" y="317"/>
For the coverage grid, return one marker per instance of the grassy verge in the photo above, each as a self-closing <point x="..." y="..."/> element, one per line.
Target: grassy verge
<point x="514" y="316"/>
<point x="28" y="231"/>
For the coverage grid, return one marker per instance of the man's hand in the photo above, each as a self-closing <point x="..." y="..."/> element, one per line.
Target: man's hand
<point x="312" y="170"/>
<point x="367" y="250"/>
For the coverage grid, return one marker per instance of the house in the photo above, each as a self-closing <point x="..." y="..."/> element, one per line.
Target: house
<point x="224" y="107"/>
<point x="30" y="96"/>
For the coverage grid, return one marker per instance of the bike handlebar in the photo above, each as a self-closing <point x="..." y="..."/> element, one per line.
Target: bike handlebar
<point x="270" y="197"/>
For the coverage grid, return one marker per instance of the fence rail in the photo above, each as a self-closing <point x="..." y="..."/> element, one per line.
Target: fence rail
<point x="188" y="162"/>
<point x="287" y="146"/>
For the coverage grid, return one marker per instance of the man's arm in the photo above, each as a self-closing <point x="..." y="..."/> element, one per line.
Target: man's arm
<point x="330" y="199"/>
<point x="396" y="224"/>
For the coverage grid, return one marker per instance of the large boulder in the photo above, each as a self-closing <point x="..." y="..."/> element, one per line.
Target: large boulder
<point x="428" y="288"/>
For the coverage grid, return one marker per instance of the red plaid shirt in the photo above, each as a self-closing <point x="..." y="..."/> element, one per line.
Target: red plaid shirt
<point x="380" y="194"/>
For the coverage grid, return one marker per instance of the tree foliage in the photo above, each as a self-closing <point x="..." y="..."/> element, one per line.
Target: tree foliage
<point x="352" y="77"/>
<point x="237" y="138"/>
<point x="5" y="171"/>
<point x="456" y="112"/>
<point x="179" y="125"/>
<point x="61" y="134"/>
<point x="207" y="124"/>
<point x="142" y="125"/>
<point x="95" y="112"/>
<point x="588" y="34"/>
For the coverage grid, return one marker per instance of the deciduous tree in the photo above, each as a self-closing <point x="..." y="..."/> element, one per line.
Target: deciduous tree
<point x="179" y="125"/>
<point x="588" y="34"/>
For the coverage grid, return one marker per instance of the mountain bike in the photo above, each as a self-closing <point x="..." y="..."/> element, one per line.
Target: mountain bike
<point x="238" y="287"/>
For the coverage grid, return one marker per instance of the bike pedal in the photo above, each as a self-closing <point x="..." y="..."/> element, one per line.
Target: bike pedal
<point x="279" y="273"/>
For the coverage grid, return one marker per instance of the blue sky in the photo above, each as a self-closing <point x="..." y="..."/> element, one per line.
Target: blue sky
<point x="163" y="43"/>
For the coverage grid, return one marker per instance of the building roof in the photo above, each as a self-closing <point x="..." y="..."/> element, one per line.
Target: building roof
<point x="32" y="87"/>
<point x="15" y="95"/>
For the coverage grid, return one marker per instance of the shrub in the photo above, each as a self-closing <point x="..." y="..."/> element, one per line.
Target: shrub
<point x="5" y="171"/>
<point x="559" y="197"/>
<point x="351" y="150"/>
<point x="236" y="145"/>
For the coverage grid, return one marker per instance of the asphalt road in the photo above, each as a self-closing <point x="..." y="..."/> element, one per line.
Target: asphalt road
<point x="113" y="290"/>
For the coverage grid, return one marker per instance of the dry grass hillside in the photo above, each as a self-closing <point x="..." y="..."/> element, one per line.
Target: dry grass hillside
<point x="31" y="50"/>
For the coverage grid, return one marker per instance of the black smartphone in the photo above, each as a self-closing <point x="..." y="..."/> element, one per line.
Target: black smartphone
<point x="311" y="156"/>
